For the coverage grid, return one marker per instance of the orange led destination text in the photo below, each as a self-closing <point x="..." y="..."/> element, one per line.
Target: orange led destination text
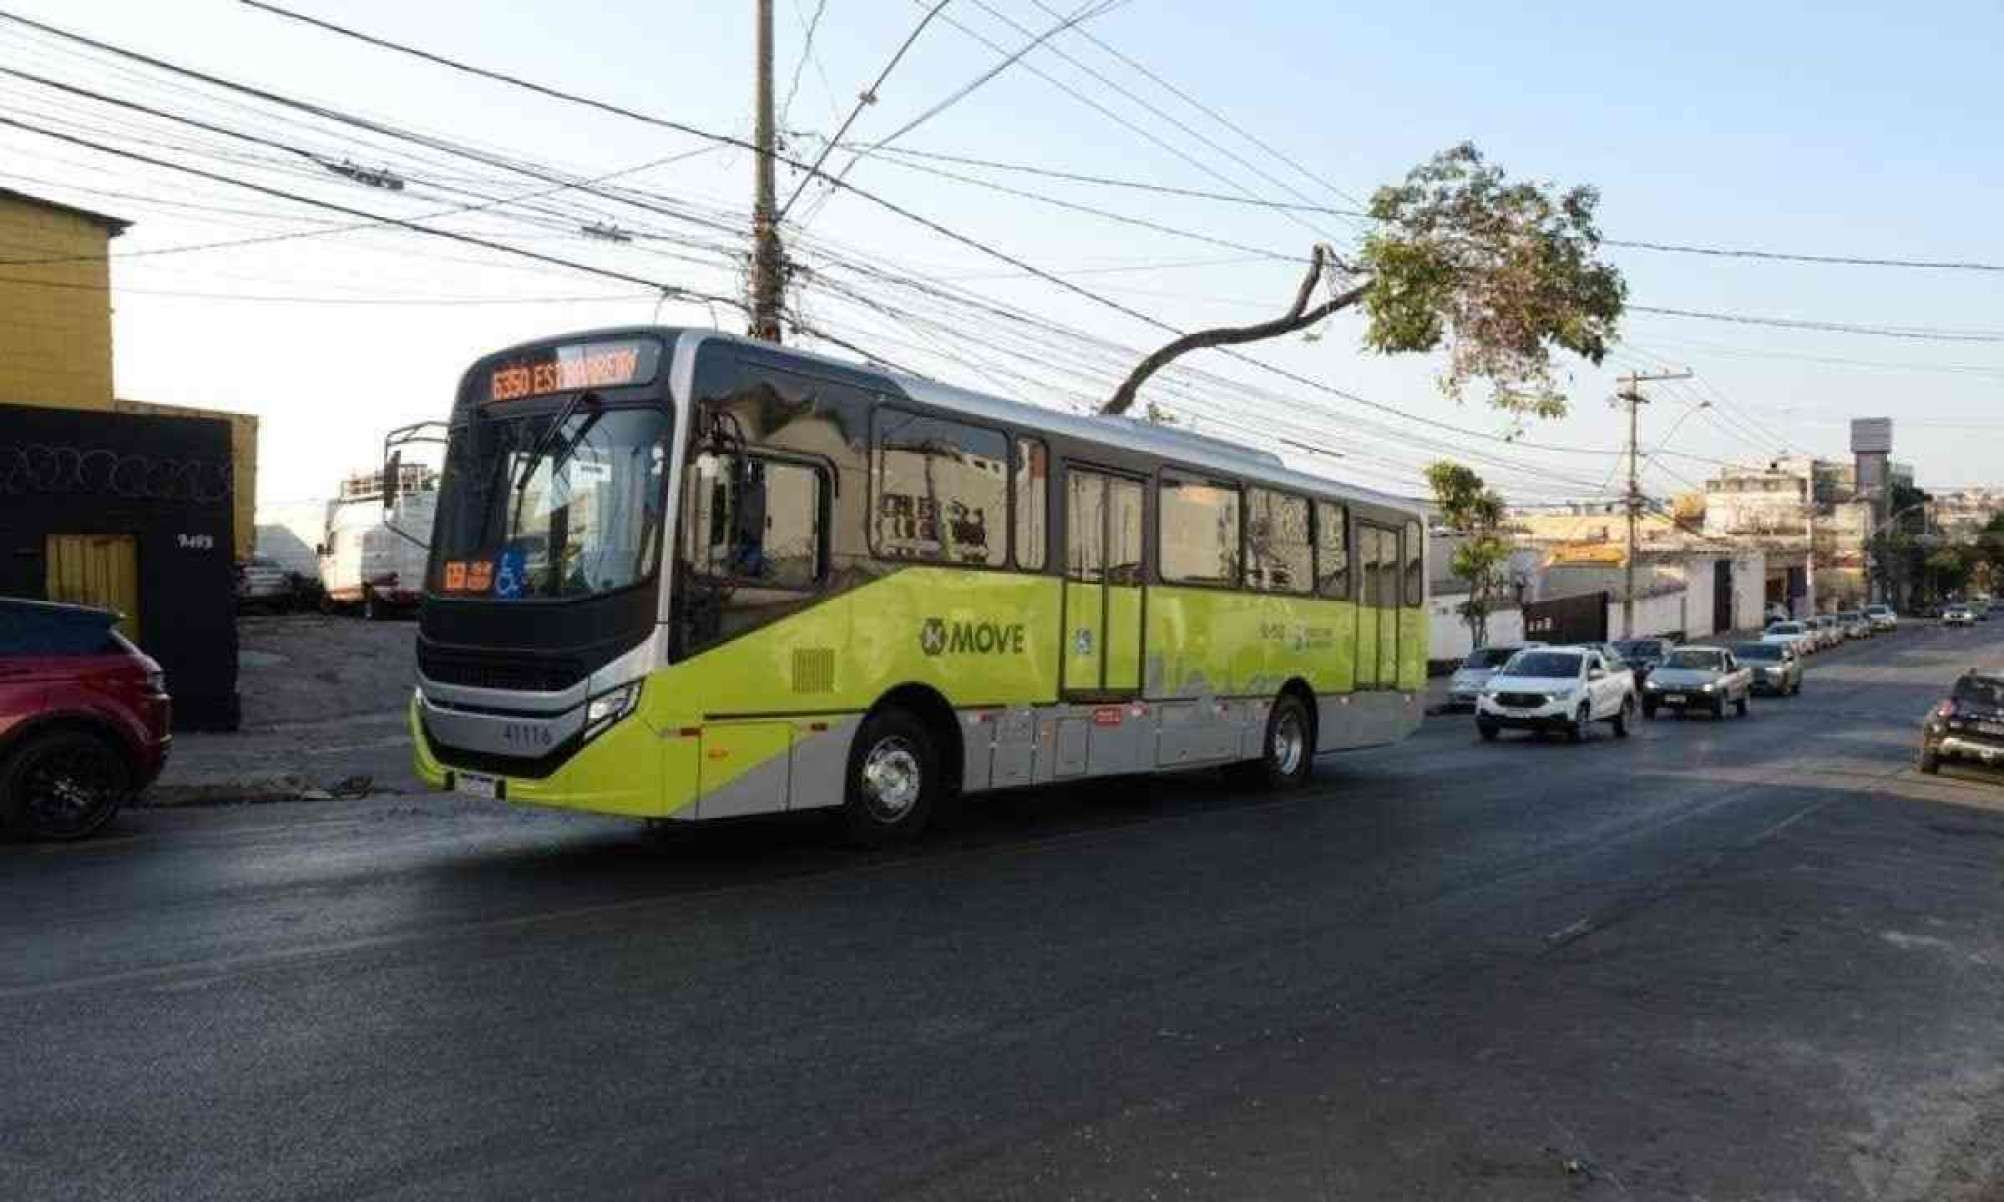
<point x="593" y="369"/>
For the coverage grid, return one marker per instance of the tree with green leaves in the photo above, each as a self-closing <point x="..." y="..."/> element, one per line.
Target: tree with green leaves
<point x="1950" y="568"/>
<point x="1497" y="274"/>
<point x="1474" y="512"/>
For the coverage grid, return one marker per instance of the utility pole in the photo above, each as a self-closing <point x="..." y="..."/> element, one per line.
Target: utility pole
<point x="768" y="262"/>
<point x="1631" y="395"/>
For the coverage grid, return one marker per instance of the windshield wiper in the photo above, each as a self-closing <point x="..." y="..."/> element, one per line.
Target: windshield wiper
<point x="551" y="434"/>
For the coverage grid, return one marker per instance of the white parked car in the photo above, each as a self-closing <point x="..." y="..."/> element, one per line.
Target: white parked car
<point x="1882" y="617"/>
<point x="1790" y="634"/>
<point x="1557" y="688"/>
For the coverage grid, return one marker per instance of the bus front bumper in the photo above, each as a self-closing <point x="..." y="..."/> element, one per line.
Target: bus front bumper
<point x="629" y="770"/>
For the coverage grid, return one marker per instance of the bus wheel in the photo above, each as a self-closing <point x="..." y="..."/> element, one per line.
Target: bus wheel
<point x="894" y="778"/>
<point x="1288" y="753"/>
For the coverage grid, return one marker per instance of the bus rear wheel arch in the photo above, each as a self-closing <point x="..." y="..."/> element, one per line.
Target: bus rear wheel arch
<point x="1287" y="751"/>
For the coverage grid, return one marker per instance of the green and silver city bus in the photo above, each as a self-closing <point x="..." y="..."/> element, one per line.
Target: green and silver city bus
<point x="678" y="574"/>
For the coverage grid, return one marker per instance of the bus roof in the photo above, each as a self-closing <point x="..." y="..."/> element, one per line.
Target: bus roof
<point x="1128" y="433"/>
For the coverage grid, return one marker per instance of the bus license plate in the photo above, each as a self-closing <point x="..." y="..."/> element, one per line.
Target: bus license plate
<point x="474" y="784"/>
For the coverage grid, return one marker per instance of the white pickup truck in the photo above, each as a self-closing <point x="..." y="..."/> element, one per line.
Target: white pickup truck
<point x="1557" y="688"/>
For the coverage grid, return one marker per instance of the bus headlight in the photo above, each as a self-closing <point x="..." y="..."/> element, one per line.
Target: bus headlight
<point x="609" y="707"/>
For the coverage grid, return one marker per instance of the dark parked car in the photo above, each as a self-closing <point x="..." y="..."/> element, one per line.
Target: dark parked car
<point x="83" y="719"/>
<point x="1969" y="725"/>
<point x="1643" y="655"/>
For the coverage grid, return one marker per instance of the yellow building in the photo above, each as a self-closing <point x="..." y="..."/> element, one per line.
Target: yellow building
<point x="55" y="338"/>
<point x="55" y="290"/>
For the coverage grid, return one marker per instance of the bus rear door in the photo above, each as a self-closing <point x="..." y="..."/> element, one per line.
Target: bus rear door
<point x="1103" y="525"/>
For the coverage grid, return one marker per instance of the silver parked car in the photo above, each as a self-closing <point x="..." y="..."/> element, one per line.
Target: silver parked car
<point x="263" y="583"/>
<point x="1698" y="678"/>
<point x="1474" y="673"/>
<point x="1856" y="625"/>
<point x="1776" y="667"/>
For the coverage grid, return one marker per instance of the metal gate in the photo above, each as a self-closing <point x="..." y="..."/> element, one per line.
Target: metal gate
<point x="1580" y="619"/>
<point x="1722" y="595"/>
<point x="96" y="569"/>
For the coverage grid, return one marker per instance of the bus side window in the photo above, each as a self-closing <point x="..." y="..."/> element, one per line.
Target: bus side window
<point x="764" y="522"/>
<point x="1332" y="550"/>
<point x="1033" y="473"/>
<point x="1278" y="551"/>
<point x="1198" y="530"/>
<point x="941" y="490"/>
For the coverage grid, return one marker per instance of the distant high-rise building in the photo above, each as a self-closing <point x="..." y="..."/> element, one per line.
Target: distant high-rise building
<point x="1871" y="445"/>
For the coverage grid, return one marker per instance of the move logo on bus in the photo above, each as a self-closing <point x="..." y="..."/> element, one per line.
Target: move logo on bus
<point x="940" y="637"/>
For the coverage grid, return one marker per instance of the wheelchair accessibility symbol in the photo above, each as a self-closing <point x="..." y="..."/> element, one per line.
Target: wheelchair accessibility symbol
<point x="509" y="573"/>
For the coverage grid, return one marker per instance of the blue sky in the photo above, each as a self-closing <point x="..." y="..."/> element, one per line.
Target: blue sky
<point x="1837" y="129"/>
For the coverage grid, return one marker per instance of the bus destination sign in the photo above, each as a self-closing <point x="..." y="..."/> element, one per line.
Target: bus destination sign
<point x="570" y="368"/>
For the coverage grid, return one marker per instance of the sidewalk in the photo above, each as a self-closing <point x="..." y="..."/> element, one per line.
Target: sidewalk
<point x="324" y="701"/>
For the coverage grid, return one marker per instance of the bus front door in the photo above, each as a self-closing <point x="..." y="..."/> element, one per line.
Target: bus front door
<point x="1103" y="522"/>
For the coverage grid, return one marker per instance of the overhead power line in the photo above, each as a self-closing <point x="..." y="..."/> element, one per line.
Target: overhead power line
<point x="806" y="53"/>
<point x="1085" y="13"/>
<point x="1915" y="333"/>
<point x="1741" y="252"/>
<point x="375" y="218"/>
<point x="867" y="97"/>
<point x="892" y="207"/>
<point x="1208" y="111"/>
<point x="1264" y="202"/>
<point x="285" y="299"/>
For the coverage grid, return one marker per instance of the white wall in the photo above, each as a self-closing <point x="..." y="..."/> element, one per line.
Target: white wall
<point x="1447" y="636"/>
<point x="1662" y="613"/>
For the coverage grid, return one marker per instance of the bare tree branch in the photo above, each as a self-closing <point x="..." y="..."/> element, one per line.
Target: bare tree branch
<point x="1298" y="317"/>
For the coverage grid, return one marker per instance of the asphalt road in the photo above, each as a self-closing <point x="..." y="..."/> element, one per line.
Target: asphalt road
<point x="1755" y="958"/>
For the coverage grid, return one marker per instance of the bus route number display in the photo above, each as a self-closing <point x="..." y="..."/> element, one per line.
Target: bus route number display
<point x="570" y="368"/>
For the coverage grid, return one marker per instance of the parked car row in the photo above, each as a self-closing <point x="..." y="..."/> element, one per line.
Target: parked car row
<point x="1567" y="689"/>
<point x="1823" y="631"/>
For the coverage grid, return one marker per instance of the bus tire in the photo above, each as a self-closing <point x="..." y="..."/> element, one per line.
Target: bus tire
<point x="1287" y="754"/>
<point x="894" y="779"/>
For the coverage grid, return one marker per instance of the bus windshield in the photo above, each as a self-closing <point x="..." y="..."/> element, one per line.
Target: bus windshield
<point x="533" y="509"/>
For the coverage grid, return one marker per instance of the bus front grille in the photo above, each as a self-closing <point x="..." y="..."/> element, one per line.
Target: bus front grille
<point x="498" y="670"/>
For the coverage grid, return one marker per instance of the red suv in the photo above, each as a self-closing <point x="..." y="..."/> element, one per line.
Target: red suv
<point x="83" y="719"/>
